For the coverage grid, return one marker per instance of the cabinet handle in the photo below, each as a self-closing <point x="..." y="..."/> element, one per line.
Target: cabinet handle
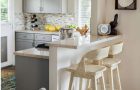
<point x="33" y="44"/>
<point x="41" y="8"/>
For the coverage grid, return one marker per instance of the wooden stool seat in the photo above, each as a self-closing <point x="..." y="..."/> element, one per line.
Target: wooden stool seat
<point x="90" y="70"/>
<point x="111" y="62"/>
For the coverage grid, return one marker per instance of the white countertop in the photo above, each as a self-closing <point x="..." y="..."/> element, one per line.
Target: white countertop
<point x="82" y="40"/>
<point x="72" y="43"/>
<point x="34" y="52"/>
<point x="38" y="32"/>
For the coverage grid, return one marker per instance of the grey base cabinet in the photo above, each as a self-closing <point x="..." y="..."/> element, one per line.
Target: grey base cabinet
<point x="24" y="44"/>
<point x="24" y="41"/>
<point x="30" y="40"/>
<point x="31" y="73"/>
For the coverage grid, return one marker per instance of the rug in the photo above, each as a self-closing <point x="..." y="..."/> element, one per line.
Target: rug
<point x="8" y="80"/>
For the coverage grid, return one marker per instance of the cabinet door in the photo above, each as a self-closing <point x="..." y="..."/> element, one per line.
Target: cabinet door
<point x="26" y="36"/>
<point x="32" y="6"/>
<point x="71" y="6"/>
<point x="55" y="38"/>
<point x="24" y="44"/>
<point x="52" y="6"/>
<point x="43" y="37"/>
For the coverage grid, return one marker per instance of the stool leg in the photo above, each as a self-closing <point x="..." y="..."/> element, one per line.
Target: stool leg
<point x="94" y="84"/>
<point x="118" y="78"/>
<point x="88" y="87"/>
<point x="80" y="85"/>
<point x="102" y="82"/>
<point x="71" y="81"/>
<point x="111" y="81"/>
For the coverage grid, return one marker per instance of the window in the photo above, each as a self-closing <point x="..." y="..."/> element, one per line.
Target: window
<point x="84" y="12"/>
<point x="4" y="10"/>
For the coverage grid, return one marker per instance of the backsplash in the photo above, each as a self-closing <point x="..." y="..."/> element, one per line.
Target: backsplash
<point x="23" y="21"/>
<point x="19" y="21"/>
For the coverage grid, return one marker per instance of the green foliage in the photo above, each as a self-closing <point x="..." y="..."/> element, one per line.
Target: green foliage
<point x="72" y="26"/>
<point x="4" y="10"/>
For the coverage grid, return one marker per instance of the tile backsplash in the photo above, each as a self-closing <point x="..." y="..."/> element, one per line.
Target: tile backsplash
<point x="23" y="21"/>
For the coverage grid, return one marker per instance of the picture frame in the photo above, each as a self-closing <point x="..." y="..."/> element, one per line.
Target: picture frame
<point x="132" y="6"/>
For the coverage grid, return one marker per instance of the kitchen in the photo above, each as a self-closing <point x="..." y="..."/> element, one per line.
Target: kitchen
<point x="44" y="37"/>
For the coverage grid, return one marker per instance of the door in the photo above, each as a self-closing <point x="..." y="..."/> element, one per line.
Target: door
<point x="7" y="31"/>
<point x="7" y="22"/>
<point x="32" y="6"/>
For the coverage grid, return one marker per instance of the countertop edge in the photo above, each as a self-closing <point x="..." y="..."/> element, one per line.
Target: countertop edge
<point x="30" y="53"/>
<point x="37" y="32"/>
<point x="95" y="42"/>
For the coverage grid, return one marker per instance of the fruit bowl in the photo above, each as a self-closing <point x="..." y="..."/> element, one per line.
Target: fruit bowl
<point x="52" y="28"/>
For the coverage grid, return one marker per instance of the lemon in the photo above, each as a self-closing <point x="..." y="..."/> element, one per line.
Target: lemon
<point x="57" y="27"/>
<point x="51" y="28"/>
<point x="47" y="27"/>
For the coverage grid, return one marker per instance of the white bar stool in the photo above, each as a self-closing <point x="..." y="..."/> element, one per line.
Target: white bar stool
<point x="90" y="72"/>
<point x="112" y="65"/>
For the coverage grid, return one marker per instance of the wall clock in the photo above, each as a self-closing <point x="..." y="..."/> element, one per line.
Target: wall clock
<point x="126" y="4"/>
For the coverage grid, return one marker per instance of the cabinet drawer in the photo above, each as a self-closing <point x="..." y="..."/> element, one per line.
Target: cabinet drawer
<point x="55" y="38"/>
<point x="25" y="36"/>
<point x="24" y="44"/>
<point x="43" y="37"/>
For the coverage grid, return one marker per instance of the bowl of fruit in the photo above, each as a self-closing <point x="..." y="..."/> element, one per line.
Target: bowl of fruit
<point x="52" y="28"/>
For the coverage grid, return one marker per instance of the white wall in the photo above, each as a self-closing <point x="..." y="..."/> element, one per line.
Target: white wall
<point x="129" y="26"/>
<point x="97" y="14"/>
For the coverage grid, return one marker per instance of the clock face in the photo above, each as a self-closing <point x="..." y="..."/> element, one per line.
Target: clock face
<point x="104" y="29"/>
<point x="125" y="3"/>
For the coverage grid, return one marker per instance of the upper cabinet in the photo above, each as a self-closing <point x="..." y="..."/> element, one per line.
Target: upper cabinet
<point x="32" y="6"/>
<point x="45" y="6"/>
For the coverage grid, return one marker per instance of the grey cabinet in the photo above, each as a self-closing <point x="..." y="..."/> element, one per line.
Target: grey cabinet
<point x="25" y="36"/>
<point x="30" y="40"/>
<point x="24" y="41"/>
<point x="24" y="44"/>
<point x="31" y="73"/>
<point x="45" y="6"/>
<point x="43" y="37"/>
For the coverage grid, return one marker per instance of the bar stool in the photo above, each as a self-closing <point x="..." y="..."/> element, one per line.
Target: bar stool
<point x="112" y="65"/>
<point x="89" y="72"/>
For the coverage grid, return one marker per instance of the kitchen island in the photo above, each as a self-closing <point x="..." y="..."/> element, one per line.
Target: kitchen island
<point x="65" y="53"/>
<point x="32" y="69"/>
